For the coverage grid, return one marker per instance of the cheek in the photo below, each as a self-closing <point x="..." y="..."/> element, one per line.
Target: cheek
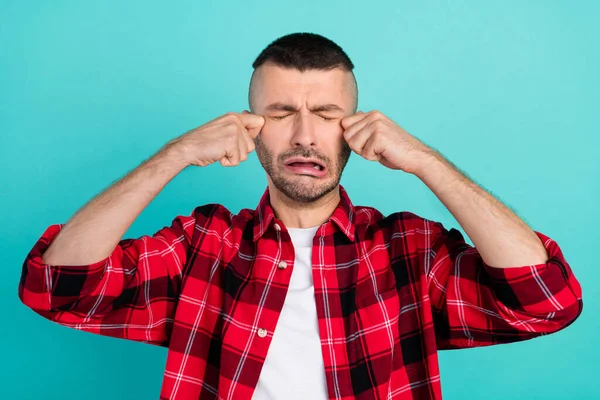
<point x="274" y="136"/>
<point x="265" y="146"/>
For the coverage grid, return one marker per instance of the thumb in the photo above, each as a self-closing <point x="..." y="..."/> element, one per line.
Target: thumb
<point x="351" y="119"/>
<point x="251" y="121"/>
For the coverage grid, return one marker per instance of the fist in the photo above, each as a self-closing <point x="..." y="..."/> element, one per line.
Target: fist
<point x="227" y="139"/>
<point x="375" y="137"/>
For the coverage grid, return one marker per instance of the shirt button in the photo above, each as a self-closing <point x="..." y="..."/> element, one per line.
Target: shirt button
<point x="282" y="265"/>
<point x="277" y="227"/>
<point x="262" y="332"/>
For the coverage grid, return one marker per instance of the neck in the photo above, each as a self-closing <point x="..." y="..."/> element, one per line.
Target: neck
<point x="302" y="215"/>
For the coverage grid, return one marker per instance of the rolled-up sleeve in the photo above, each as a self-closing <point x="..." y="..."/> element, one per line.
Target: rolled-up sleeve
<point x="475" y="304"/>
<point x="130" y="294"/>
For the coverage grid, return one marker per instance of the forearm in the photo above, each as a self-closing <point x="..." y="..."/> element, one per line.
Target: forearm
<point x="500" y="236"/>
<point x="95" y="230"/>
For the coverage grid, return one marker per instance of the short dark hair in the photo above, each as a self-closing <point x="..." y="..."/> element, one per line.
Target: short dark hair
<point x="304" y="51"/>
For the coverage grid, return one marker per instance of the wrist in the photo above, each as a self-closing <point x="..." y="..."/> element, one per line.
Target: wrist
<point x="429" y="165"/>
<point x="174" y="154"/>
<point x="438" y="173"/>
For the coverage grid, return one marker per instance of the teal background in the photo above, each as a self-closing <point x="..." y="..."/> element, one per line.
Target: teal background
<point x="88" y="90"/>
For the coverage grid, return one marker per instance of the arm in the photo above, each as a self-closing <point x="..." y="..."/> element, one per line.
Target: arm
<point x="83" y="276"/>
<point x="94" y="231"/>
<point x="500" y="236"/>
<point x="130" y="294"/>
<point x="513" y="285"/>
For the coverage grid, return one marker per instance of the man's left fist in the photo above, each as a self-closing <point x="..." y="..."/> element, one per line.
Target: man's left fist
<point x="375" y="137"/>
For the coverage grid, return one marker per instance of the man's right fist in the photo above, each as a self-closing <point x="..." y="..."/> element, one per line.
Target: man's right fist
<point x="227" y="139"/>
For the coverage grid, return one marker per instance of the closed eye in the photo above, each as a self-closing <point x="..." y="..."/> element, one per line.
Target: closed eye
<point x="327" y="119"/>
<point x="278" y="118"/>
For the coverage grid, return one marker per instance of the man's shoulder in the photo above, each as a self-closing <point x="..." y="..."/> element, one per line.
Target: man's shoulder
<point x="367" y="215"/>
<point x="210" y="210"/>
<point x="216" y="214"/>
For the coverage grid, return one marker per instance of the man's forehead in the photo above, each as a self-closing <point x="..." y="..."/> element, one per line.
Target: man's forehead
<point x="285" y="89"/>
<point x="275" y="75"/>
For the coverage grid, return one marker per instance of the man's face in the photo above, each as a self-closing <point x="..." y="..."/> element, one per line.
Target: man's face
<point x="297" y="125"/>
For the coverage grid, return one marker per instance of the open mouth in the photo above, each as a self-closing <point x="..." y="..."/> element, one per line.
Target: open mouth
<point x="316" y="166"/>
<point x="306" y="168"/>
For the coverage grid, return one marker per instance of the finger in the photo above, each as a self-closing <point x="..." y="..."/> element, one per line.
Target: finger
<point x="252" y="122"/>
<point x="371" y="149"/>
<point x="248" y="137"/>
<point x="253" y="132"/>
<point x="231" y="157"/>
<point x="357" y="126"/>
<point x="352" y="119"/>
<point x="360" y="139"/>
<point x="248" y="140"/>
<point x="243" y="147"/>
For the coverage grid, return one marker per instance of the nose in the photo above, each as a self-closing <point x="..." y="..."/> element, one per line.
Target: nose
<point x="304" y="130"/>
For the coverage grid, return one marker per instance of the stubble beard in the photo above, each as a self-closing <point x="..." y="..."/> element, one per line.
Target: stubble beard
<point x="301" y="188"/>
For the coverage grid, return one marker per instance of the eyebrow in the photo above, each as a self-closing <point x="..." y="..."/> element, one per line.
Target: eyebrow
<point x="288" y="107"/>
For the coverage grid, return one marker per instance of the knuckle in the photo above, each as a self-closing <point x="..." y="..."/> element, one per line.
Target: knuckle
<point x="377" y="114"/>
<point x="232" y="119"/>
<point x="233" y="129"/>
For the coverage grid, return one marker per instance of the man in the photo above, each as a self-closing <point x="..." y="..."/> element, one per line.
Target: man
<point x="307" y="296"/>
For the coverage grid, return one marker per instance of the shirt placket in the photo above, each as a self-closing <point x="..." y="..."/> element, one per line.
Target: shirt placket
<point x="331" y="323"/>
<point x="259" y="334"/>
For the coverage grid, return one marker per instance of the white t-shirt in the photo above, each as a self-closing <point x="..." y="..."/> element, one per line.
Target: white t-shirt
<point x="294" y="366"/>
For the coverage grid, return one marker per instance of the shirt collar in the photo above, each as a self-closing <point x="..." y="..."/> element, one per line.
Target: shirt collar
<point x="343" y="216"/>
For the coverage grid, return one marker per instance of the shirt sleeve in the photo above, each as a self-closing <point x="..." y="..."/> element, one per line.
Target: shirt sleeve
<point x="130" y="294"/>
<point x="475" y="304"/>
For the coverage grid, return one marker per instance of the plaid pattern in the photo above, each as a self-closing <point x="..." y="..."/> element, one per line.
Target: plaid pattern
<point x="390" y="292"/>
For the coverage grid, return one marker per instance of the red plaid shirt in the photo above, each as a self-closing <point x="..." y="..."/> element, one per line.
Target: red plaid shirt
<point x="390" y="292"/>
